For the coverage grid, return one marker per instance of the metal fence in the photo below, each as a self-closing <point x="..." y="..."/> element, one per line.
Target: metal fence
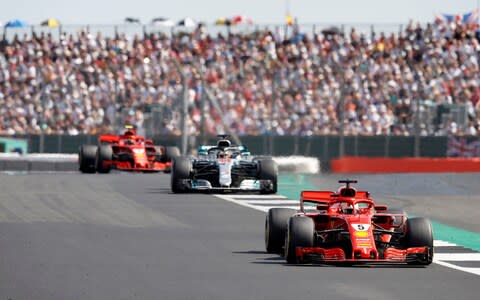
<point x="323" y="147"/>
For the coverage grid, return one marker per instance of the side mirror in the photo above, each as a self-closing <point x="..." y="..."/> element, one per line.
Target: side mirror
<point x="322" y="206"/>
<point x="381" y="207"/>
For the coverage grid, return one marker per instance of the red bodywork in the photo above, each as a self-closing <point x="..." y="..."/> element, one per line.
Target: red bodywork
<point x="352" y="228"/>
<point x="132" y="152"/>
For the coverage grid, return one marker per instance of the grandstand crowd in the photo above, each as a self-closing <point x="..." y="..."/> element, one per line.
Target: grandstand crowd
<point x="263" y="82"/>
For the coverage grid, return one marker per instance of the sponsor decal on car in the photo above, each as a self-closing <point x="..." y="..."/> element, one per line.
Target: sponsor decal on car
<point x="361" y="227"/>
<point x="361" y="233"/>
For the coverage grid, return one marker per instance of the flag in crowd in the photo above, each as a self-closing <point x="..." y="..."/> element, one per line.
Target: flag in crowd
<point x="289" y="20"/>
<point x="466" y="18"/>
<point x="460" y="147"/>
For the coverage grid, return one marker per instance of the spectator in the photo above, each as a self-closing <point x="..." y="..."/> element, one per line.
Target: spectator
<point x="85" y="83"/>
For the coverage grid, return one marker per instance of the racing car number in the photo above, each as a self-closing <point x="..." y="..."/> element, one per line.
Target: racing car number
<point x="361" y="227"/>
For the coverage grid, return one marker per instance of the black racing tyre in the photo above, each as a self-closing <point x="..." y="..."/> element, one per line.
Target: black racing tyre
<point x="86" y="158"/>
<point x="419" y="234"/>
<point x="276" y="222"/>
<point x="268" y="170"/>
<point x="171" y="153"/>
<point x="181" y="170"/>
<point x="300" y="233"/>
<point x="104" y="153"/>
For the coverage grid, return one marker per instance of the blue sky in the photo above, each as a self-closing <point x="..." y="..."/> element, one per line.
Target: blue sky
<point x="261" y="11"/>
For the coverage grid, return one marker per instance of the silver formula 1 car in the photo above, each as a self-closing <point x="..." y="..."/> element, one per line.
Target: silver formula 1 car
<point x="224" y="167"/>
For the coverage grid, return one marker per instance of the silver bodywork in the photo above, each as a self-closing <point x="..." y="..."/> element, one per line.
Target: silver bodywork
<point x="236" y="156"/>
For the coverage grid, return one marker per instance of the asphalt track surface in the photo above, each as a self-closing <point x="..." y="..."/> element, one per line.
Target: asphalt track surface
<point x="124" y="236"/>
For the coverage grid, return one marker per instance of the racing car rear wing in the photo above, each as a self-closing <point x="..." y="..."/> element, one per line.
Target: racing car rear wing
<point x="108" y="138"/>
<point x="327" y="196"/>
<point x="317" y="196"/>
<point x="323" y="199"/>
<point x="320" y="198"/>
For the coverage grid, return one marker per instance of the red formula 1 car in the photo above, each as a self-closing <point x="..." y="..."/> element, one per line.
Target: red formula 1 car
<point x="347" y="226"/>
<point x="126" y="152"/>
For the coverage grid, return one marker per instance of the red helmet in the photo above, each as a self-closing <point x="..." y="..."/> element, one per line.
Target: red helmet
<point x="129" y="134"/>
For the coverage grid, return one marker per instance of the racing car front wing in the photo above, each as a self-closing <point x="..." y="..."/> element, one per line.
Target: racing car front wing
<point x="247" y="185"/>
<point x="337" y="255"/>
<point x="152" y="167"/>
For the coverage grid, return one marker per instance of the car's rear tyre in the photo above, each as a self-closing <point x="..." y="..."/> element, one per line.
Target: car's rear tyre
<point x="419" y="234"/>
<point x="300" y="233"/>
<point x="181" y="170"/>
<point x="171" y="152"/>
<point x="104" y="153"/>
<point x="268" y="170"/>
<point x="276" y="222"/>
<point x="86" y="158"/>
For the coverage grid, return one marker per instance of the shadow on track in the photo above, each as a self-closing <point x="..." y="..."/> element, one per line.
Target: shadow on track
<point x="266" y="258"/>
<point x="159" y="191"/>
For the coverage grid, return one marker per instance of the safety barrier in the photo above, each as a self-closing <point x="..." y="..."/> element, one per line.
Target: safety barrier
<point x="291" y="164"/>
<point x="325" y="148"/>
<point x="38" y="162"/>
<point x="298" y="164"/>
<point x="69" y="162"/>
<point x="404" y="165"/>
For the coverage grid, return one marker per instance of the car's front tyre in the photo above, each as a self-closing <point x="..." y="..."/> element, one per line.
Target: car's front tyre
<point x="181" y="170"/>
<point x="104" y="153"/>
<point x="268" y="171"/>
<point x="276" y="222"/>
<point x="420" y="234"/>
<point x="300" y="233"/>
<point x="86" y="158"/>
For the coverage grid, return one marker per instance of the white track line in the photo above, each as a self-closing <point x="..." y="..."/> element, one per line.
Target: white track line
<point x="255" y="196"/>
<point x="457" y="256"/>
<point x="475" y="271"/>
<point x="291" y="207"/>
<point x="271" y="202"/>
<point x="242" y="203"/>
<point x="438" y="243"/>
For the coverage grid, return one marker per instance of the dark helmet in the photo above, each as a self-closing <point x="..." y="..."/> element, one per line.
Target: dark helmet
<point x="220" y="154"/>
<point x="222" y="144"/>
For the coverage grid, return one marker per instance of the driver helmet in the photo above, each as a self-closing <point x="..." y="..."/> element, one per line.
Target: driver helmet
<point x="221" y="154"/>
<point x="129" y="138"/>
<point x="129" y="133"/>
<point x="347" y="208"/>
<point x="228" y="153"/>
<point x="222" y="144"/>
